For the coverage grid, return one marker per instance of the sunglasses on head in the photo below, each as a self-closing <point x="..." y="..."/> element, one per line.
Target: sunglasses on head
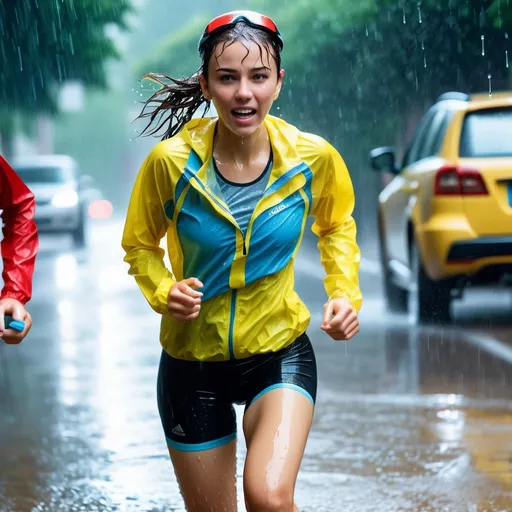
<point x="229" y="19"/>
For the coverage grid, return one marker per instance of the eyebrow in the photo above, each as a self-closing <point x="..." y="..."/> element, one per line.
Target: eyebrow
<point x="229" y="70"/>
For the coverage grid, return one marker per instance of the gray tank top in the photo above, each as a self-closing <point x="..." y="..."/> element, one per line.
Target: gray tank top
<point x="242" y="198"/>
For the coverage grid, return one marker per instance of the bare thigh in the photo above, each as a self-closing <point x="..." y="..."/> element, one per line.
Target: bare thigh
<point x="207" y="478"/>
<point x="276" y="427"/>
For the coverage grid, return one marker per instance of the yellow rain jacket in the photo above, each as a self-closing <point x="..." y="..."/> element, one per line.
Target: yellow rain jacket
<point x="249" y="304"/>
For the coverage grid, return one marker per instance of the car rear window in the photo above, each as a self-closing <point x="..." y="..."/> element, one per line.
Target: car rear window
<point x="487" y="133"/>
<point x="44" y="174"/>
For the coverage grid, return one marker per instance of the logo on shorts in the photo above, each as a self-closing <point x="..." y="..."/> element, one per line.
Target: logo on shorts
<point x="178" y="430"/>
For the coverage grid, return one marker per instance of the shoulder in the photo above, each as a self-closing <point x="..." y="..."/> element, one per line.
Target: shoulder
<point x="168" y="159"/>
<point x="318" y="153"/>
<point x="169" y="151"/>
<point x="310" y="144"/>
<point x="165" y="162"/>
<point x="322" y="158"/>
<point x="307" y="145"/>
<point x="194" y="139"/>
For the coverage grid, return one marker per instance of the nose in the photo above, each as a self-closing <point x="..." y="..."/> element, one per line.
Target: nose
<point x="244" y="92"/>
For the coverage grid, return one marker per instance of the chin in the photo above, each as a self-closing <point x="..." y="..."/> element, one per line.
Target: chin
<point x="245" y="131"/>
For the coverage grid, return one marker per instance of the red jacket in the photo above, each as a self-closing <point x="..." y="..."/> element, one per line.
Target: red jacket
<point x="20" y="243"/>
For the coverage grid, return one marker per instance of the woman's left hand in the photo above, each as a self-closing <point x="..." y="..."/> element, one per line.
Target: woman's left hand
<point x="340" y="320"/>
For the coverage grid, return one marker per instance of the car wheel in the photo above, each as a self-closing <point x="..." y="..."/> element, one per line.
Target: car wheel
<point x="429" y="301"/>
<point x="396" y="298"/>
<point x="80" y="234"/>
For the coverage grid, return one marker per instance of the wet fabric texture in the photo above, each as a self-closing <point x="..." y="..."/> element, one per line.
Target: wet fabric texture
<point x="20" y="242"/>
<point x="195" y="399"/>
<point x="249" y="305"/>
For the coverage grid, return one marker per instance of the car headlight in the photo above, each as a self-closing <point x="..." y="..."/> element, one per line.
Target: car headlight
<point x="65" y="199"/>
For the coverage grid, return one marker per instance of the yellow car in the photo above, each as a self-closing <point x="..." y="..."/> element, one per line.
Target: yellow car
<point x="445" y="219"/>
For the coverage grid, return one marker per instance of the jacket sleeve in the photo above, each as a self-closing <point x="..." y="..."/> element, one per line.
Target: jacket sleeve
<point x="145" y="226"/>
<point x="336" y="229"/>
<point x="20" y="242"/>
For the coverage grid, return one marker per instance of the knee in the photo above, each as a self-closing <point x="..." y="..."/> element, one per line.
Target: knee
<point x="263" y="499"/>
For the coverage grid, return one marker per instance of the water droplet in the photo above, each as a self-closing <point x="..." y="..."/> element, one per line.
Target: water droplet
<point x="483" y="44"/>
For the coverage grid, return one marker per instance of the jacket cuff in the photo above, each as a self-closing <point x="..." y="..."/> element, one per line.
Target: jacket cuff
<point x="11" y="294"/>
<point x="161" y="294"/>
<point x="355" y="302"/>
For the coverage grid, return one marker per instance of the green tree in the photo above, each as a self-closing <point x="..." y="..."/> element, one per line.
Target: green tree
<point x="44" y="43"/>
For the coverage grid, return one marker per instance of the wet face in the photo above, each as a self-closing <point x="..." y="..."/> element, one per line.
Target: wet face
<point x="243" y="82"/>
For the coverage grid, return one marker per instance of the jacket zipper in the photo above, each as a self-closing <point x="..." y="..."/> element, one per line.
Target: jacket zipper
<point x="234" y="292"/>
<point x="231" y="344"/>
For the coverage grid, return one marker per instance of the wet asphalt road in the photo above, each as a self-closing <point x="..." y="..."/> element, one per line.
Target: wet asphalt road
<point x="408" y="419"/>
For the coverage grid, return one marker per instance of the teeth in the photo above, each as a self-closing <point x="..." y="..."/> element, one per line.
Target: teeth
<point x="244" y="111"/>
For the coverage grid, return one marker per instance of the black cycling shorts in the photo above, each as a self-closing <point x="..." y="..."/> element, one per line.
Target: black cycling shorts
<point x="195" y="399"/>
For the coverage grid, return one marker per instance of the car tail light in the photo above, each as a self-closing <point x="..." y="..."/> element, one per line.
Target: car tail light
<point x="451" y="180"/>
<point x="100" y="209"/>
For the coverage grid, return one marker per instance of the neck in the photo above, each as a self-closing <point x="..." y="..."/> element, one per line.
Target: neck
<point x="241" y="149"/>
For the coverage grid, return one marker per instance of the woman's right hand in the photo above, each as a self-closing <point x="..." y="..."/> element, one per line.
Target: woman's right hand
<point x="183" y="301"/>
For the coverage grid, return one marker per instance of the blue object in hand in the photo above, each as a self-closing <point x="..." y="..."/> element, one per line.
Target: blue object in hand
<point x="17" y="325"/>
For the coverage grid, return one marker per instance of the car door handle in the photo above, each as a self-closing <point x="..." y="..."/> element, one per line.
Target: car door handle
<point x="411" y="187"/>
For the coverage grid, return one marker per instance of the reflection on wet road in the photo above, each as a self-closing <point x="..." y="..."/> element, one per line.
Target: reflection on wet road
<point x="408" y="419"/>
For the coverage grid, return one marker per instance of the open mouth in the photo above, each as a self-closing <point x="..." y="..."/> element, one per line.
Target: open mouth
<point x="243" y="113"/>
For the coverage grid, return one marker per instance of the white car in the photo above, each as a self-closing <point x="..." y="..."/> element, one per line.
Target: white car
<point x="60" y="191"/>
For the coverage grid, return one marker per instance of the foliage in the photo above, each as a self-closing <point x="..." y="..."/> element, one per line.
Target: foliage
<point x="46" y="42"/>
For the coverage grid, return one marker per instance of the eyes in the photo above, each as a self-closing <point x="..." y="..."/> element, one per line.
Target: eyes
<point x="258" y="77"/>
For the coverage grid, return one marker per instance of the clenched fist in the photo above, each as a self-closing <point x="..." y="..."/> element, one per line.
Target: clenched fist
<point x="184" y="301"/>
<point x="13" y="308"/>
<point x="340" y="320"/>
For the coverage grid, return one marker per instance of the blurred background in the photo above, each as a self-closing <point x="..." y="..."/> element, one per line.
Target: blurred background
<point x="417" y="412"/>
